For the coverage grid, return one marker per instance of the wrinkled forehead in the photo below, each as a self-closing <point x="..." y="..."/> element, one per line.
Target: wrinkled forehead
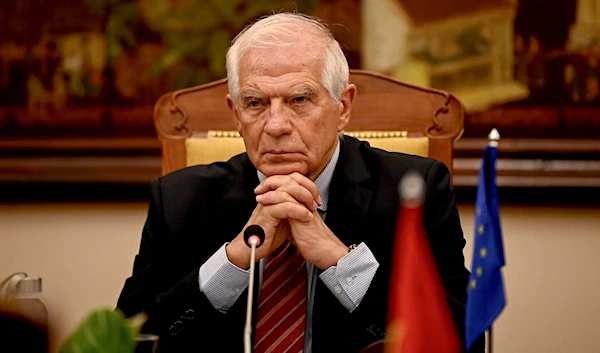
<point x="280" y="60"/>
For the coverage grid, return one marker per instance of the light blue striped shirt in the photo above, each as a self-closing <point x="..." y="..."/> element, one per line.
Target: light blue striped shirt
<point x="222" y="282"/>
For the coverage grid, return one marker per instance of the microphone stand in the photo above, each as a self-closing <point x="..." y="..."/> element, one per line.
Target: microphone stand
<point x="254" y="236"/>
<point x="253" y="240"/>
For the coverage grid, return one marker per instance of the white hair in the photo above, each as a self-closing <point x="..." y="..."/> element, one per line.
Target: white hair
<point x="283" y="29"/>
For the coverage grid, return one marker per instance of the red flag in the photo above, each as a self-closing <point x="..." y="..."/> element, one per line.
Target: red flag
<point x="419" y="319"/>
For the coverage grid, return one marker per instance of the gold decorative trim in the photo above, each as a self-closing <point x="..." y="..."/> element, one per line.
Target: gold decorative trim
<point x="376" y="134"/>
<point x="222" y="133"/>
<point x="356" y="134"/>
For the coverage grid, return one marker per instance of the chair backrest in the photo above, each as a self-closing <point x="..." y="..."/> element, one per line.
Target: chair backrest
<point x="384" y="108"/>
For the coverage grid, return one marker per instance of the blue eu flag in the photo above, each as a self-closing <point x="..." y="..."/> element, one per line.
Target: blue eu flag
<point x="485" y="296"/>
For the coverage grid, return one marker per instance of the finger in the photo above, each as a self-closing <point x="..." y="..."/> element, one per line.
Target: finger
<point x="289" y="210"/>
<point x="308" y="185"/>
<point x="296" y="185"/>
<point x="275" y="197"/>
<point x="289" y="192"/>
<point x="272" y="183"/>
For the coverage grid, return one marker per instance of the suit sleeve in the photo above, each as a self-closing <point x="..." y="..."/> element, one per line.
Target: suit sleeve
<point x="444" y="231"/>
<point x="177" y="311"/>
<point x="447" y="242"/>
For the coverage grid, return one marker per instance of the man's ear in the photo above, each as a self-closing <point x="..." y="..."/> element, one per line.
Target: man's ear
<point x="234" y="113"/>
<point x="346" y="100"/>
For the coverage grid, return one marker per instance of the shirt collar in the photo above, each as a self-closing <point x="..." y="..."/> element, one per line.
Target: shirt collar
<point x="323" y="181"/>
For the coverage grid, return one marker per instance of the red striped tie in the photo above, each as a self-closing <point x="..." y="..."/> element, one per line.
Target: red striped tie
<point x="282" y="304"/>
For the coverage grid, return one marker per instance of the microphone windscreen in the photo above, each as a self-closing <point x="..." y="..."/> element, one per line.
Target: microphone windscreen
<point x="257" y="230"/>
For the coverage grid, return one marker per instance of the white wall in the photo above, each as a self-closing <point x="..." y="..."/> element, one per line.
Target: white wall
<point x="84" y="252"/>
<point x="552" y="279"/>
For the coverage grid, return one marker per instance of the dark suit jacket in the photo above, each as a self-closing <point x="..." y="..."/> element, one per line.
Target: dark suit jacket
<point x="195" y="210"/>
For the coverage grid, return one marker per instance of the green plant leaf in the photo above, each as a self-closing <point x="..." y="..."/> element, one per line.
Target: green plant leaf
<point x="103" y="331"/>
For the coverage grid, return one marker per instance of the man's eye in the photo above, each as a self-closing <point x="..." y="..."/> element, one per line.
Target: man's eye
<point x="253" y="103"/>
<point x="300" y="100"/>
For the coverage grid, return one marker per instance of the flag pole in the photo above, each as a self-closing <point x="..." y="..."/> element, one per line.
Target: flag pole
<point x="485" y="292"/>
<point x="493" y="138"/>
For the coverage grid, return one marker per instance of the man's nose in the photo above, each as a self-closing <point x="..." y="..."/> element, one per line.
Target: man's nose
<point x="278" y="119"/>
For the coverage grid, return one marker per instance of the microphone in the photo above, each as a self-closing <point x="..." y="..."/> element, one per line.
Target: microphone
<point x="254" y="236"/>
<point x="254" y="231"/>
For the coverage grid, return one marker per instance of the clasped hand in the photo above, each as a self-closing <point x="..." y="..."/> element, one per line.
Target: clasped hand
<point x="287" y="209"/>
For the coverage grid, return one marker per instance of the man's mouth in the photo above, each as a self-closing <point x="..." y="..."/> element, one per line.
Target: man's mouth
<point x="280" y="152"/>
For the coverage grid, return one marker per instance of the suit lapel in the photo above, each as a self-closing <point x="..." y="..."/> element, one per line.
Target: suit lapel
<point x="348" y="197"/>
<point x="349" y="200"/>
<point x="235" y="207"/>
<point x="238" y="202"/>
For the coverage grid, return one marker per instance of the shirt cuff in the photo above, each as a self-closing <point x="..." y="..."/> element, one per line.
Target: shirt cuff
<point x="221" y="281"/>
<point x="351" y="278"/>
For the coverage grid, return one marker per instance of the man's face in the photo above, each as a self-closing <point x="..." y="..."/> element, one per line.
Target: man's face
<point x="287" y="118"/>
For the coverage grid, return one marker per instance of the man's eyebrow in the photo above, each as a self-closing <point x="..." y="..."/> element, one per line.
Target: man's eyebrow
<point x="303" y="92"/>
<point x="250" y="95"/>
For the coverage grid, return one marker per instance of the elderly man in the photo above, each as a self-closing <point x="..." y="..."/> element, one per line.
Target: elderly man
<point x="326" y="202"/>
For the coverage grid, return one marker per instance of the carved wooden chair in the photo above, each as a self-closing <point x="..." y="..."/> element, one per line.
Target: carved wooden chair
<point x="195" y="126"/>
